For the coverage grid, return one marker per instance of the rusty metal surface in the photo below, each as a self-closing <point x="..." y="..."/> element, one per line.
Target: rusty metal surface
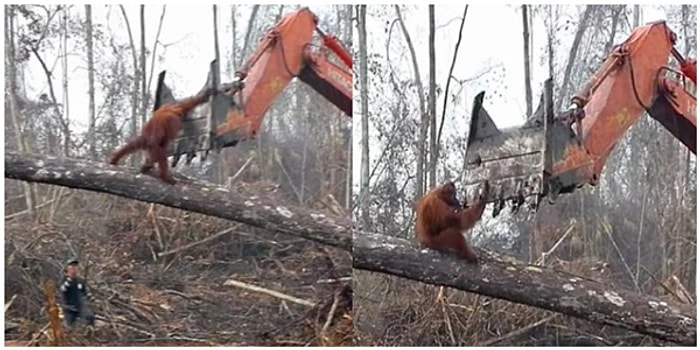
<point x="514" y="161"/>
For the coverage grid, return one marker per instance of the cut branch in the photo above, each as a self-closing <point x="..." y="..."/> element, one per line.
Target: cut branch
<point x="201" y="241"/>
<point x="278" y="295"/>
<point x="253" y="209"/>
<point x="517" y="282"/>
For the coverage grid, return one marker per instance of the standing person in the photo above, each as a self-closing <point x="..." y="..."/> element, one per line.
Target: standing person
<point x="75" y="295"/>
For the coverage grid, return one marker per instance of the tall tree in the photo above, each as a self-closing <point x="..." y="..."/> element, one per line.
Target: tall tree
<point x="11" y="76"/>
<point x="348" y="172"/>
<point x="434" y="143"/>
<point x="364" y="105"/>
<point x="220" y="171"/>
<point x="135" y="87"/>
<point x="246" y="40"/>
<point x="232" y="65"/>
<point x="526" y="60"/>
<point x="66" y="104"/>
<point x="144" y="92"/>
<point x="582" y="26"/>
<point x="91" y="81"/>
<point x="423" y="121"/>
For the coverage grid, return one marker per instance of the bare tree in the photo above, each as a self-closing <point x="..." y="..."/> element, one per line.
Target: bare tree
<point x="66" y="105"/>
<point x="617" y="12"/>
<point x="219" y="170"/>
<point x="216" y="35"/>
<point x="246" y="41"/>
<point x="153" y="52"/>
<point x="135" y="88"/>
<point x="233" y="40"/>
<point x="364" y="105"/>
<point x="449" y="79"/>
<point x="91" y="81"/>
<point x="423" y="135"/>
<point x="526" y="60"/>
<point x="582" y="26"/>
<point x="348" y="172"/>
<point x="144" y="92"/>
<point x="11" y="74"/>
<point x="432" y="166"/>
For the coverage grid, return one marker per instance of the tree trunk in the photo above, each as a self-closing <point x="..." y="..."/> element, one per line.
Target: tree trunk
<point x="349" y="164"/>
<point x="91" y="83"/>
<point x="135" y="88"/>
<point x="566" y="80"/>
<point x="526" y="60"/>
<point x="434" y="145"/>
<point x="424" y="121"/>
<point x="233" y="40"/>
<point x="364" y="106"/>
<point x="144" y="92"/>
<point x="10" y="65"/>
<point x="153" y="56"/>
<point x="505" y="278"/>
<point x="616" y="12"/>
<point x="246" y="40"/>
<point x="636" y="16"/>
<point x="447" y="87"/>
<point x="682" y="250"/>
<point x="66" y="106"/>
<point x="220" y="170"/>
<point x="238" y="204"/>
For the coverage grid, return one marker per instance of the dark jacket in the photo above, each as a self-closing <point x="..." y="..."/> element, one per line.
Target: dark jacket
<point x="75" y="292"/>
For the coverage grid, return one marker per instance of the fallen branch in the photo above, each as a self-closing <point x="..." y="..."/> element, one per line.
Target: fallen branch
<point x="548" y="289"/>
<point x="201" y="241"/>
<point x="334" y="280"/>
<point x="23" y="212"/>
<point x="254" y="209"/>
<point x="269" y="292"/>
<point x="175" y="338"/>
<point x="518" y="332"/>
<point x="9" y="303"/>
<point x="329" y="318"/>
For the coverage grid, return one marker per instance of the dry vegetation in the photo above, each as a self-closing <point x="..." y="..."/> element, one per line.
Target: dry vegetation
<point x="181" y="297"/>
<point x="392" y="311"/>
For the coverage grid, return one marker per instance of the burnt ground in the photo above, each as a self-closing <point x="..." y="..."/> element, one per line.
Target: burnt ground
<point x="181" y="298"/>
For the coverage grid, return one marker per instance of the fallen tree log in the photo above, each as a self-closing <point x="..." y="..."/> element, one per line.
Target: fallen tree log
<point x="496" y="277"/>
<point x="517" y="282"/>
<point x="253" y="209"/>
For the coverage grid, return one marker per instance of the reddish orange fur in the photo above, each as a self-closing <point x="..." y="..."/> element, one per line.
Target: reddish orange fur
<point x="157" y="134"/>
<point x="439" y="223"/>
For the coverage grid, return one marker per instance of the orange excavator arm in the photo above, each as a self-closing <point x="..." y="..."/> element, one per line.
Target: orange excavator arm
<point x="553" y="154"/>
<point x="285" y="52"/>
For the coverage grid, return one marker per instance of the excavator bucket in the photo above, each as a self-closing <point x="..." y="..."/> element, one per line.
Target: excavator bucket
<point x="515" y="161"/>
<point x="199" y="125"/>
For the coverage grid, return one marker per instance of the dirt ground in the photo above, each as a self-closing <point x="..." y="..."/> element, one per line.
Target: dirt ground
<point x="180" y="298"/>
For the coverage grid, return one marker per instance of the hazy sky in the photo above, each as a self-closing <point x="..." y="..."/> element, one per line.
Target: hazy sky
<point x="492" y="37"/>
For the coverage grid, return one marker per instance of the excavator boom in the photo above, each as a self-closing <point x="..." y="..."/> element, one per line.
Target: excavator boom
<point x="555" y="153"/>
<point x="285" y="52"/>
